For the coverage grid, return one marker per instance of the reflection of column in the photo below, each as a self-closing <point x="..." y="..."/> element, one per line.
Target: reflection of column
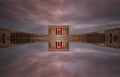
<point x="52" y="46"/>
<point x="63" y="45"/>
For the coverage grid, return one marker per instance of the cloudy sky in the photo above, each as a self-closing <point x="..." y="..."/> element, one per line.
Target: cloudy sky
<point x="83" y="60"/>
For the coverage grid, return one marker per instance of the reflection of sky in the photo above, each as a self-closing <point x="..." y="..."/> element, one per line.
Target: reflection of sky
<point x="82" y="15"/>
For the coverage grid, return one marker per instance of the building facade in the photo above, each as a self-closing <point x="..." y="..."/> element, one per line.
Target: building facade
<point x="10" y="38"/>
<point x="58" y="38"/>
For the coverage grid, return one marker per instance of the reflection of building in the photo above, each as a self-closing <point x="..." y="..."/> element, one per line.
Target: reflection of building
<point x="58" y="35"/>
<point x="110" y="38"/>
<point x="10" y="38"/>
<point x="59" y="38"/>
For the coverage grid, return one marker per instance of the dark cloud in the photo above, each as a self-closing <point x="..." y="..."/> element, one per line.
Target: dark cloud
<point x="34" y="14"/>
<point x="44" y="12"/>
<point x="62" y="64"/>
